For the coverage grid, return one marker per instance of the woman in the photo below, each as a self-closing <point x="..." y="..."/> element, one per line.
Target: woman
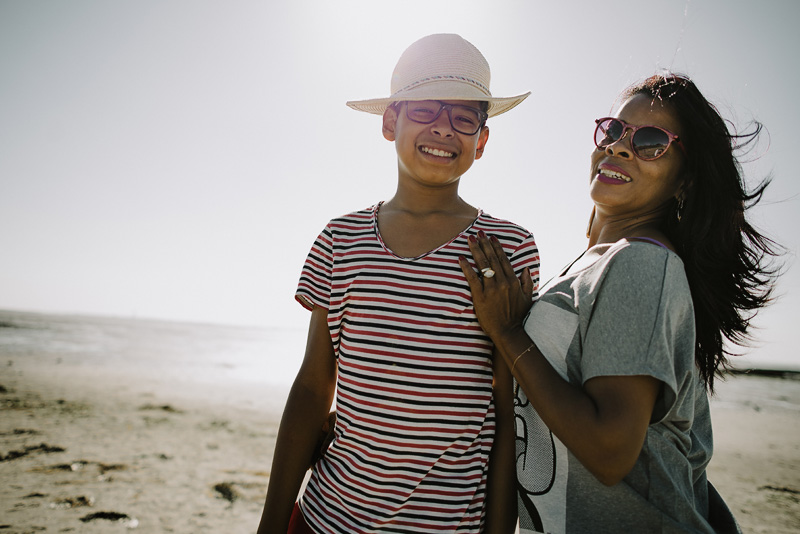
<point x="614" y="361"/>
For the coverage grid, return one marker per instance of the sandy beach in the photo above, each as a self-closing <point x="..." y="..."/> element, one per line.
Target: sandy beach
<point x="110" y="447"/>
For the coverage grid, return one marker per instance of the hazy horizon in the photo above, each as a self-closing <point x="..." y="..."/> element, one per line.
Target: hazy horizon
<point x="175" y="159"/>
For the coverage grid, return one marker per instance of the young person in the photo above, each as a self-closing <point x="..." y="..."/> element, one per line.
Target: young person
<point x="393" y="332"/>
<point x="615" y="359"/>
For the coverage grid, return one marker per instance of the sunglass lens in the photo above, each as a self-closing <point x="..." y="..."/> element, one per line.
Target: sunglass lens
<point x="465" y="120"/>
<point x="424" y="112"/>
<point x="650" y="143"/>
<point x="607" y="132"/>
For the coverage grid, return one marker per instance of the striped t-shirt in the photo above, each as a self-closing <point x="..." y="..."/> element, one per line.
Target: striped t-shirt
<point x="414" y="389"/>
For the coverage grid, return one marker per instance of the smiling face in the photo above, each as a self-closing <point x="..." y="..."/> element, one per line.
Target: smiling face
<point x="432" y="155"/>
<point x="625" y="186"/>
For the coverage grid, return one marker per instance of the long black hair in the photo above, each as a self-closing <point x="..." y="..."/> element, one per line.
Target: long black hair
<point x="730" y="265"/>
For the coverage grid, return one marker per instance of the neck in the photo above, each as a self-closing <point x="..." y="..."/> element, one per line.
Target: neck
<point x="609" y="229"/>
<point x="427" y="201"/>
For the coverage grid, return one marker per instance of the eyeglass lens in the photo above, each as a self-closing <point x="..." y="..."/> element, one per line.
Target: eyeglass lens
<point x="647" y="142"/>
<point x="463" y="119"/>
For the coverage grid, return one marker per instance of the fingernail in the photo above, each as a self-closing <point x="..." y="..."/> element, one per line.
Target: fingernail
<point x="481" y="234"/>
<point x="494" y="238"/>
<point x="472" y="239"/>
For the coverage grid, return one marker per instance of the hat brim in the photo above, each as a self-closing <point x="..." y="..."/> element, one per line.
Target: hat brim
<point x="377" y="106"/>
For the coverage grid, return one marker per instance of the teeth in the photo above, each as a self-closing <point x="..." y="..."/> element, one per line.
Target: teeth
<point x="437" y="152"/>
<point x="613" y="174"/>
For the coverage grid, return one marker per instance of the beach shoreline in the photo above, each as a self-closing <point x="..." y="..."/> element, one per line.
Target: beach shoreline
<point x="146" y="461"/>
<point x="107" y="447"/>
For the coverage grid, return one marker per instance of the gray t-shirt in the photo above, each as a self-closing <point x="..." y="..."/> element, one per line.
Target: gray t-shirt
<point x="620" y="309"/>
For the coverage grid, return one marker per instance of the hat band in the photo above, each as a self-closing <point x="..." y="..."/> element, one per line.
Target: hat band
<point x="470" y="81"/>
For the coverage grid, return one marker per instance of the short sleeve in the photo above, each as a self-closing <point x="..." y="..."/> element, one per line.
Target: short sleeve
<point x="526" y="256"/>
<point x="641" y="320"/>
<point x="314" y="287"/>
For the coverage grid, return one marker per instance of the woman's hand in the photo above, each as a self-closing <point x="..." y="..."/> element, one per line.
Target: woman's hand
<point x="604" y="423"/>
<point x="326" y="435"/>
<point x="502" y="301"/>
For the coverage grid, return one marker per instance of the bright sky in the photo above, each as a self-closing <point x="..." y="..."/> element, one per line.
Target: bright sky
<point x="176" y="159"/>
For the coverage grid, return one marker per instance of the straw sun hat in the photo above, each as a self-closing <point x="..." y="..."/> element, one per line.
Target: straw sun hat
<point x="442" y="66"/>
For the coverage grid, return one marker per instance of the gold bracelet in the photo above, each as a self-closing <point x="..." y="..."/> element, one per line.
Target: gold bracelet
<point x="521" y="354"/>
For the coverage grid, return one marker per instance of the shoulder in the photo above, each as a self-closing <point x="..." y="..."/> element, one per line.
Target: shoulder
<point x="502" y="228"/>
<point x="517" y="242"/>
<point x="360" y="216"/>
<point x="353" y="221"/>
<point x="636" y="264"/>
<point x="640" y="255"/>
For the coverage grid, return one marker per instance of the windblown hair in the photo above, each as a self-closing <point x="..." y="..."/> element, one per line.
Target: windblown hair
<point x="730" y="266"/>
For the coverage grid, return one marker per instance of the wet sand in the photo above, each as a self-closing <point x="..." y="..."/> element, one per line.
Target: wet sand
<point x="97" y="459"/>
<point x="87" y="450"/>
<point x="756" y="462"/>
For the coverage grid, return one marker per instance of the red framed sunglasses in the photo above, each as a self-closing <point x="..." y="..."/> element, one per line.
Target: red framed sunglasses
<point x="647" y="142"/>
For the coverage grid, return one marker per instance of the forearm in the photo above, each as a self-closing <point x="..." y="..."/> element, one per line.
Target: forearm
<point x="304" y="415"/>
<point x="501" y="510"/>
<point x="602" y="421"/>
<point x="601" y="433"/>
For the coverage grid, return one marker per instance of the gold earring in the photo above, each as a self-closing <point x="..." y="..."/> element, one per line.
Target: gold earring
<point x="679" y="209"/>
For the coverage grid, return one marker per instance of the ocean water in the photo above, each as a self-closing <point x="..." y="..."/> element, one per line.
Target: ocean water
<point x="242" y="366"/>
<point x="245" y="363"/>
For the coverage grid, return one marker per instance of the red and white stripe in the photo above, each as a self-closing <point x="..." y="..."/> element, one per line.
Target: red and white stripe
<point x="414" y="389"/>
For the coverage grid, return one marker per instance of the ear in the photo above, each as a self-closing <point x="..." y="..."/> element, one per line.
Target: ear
<point x="389" y="123"/>
<point x="683" y="188"/>
<point x="483" y="138"/>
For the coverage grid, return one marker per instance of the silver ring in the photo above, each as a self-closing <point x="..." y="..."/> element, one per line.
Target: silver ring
<point x="487" y="272"/>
